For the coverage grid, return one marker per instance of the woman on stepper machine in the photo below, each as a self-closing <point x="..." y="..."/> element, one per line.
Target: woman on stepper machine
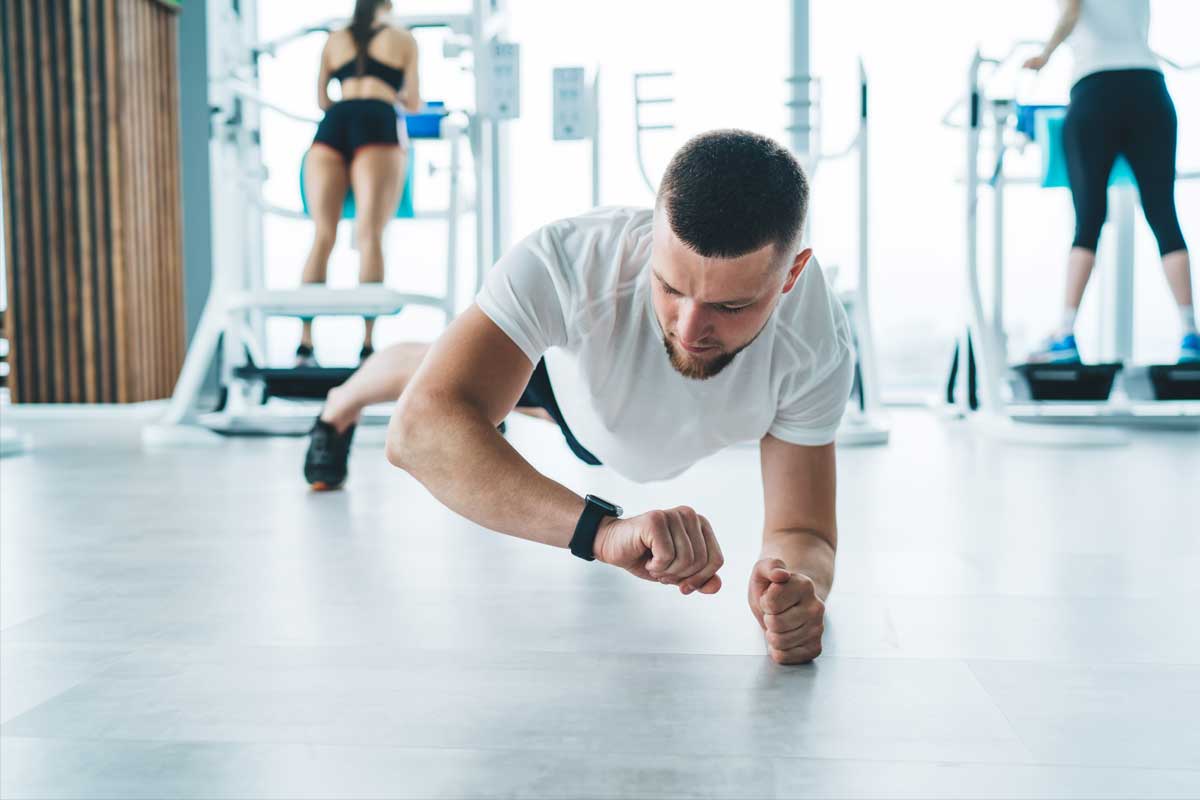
<point x="361" y="144"/>
<point x="1119" y="106"/>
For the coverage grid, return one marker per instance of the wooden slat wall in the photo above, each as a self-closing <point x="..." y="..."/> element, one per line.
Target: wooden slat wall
<point x="89" y="143"/>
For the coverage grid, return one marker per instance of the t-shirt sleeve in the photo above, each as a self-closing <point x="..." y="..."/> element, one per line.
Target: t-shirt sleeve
<point x="811" y="408"/>
<point x="528" y="294"/>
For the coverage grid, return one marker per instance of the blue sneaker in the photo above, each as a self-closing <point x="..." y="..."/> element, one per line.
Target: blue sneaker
<point x="1056" y="350"/>
<point x="1189" y="349"/>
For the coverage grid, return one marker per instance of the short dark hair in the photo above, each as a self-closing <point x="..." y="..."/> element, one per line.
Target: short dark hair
<point x="731" y="192"/>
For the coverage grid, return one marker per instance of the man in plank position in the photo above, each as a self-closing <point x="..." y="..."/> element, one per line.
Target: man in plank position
<point x="653" y="338"/>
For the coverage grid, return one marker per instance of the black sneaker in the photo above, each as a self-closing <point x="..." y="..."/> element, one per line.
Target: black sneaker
<point x="325" y="465"/>
<point x="305" y="357"/>
<point x="366" y="352"/>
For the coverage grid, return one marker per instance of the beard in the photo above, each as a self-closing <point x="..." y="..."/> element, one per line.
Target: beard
<point x="701" y="369"/>
<point x="698" y="369"/>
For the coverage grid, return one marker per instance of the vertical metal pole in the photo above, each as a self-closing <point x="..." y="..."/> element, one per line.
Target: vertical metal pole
<point x="478" y="159"/>
<point x="866" y="340"/>
<point x="1120" y="317"/>
<point x="254" y="217"/>
<point x="501" y="154"/>
<point x="230" y="270"/>
<point x="481" y="142"/>
<point x="800" y="101"/>
<point x="596" y="139"/>
<point x="452" y="225"/>
<point x="988" y="369"/>
<point x="498" y="164"/>
<point x="998" y="238"/>
<point x="492" y="151"/>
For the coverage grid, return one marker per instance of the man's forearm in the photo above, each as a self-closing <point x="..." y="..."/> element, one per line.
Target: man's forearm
<point x="465" y="463"/>
<point x="804" y="551"/>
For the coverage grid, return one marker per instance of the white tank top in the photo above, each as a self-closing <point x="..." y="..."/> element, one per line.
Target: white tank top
<point x="1112" y="34"/>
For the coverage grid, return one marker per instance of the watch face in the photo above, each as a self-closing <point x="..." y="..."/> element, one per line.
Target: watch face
<point x="609" y="508"/>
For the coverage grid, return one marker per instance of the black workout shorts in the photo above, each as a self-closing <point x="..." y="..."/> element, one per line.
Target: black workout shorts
<point x="539" y="394"/>
<point x="352" y="124"/>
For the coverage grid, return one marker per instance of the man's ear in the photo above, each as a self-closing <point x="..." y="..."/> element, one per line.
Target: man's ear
<point x="798" y="265"/>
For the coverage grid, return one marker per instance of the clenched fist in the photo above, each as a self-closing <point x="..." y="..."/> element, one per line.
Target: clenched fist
<point x="676" y="547"/>
<point x="789" y="611"/>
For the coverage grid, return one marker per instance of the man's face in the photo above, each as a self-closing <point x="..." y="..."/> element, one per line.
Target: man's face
<point x="710" y="309"/>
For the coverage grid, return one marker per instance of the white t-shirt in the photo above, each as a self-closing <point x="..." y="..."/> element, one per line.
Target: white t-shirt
<point x="577" y="292"/>
<point x="1112" y="34"/>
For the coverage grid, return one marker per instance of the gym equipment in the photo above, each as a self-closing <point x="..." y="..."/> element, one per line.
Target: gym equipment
<point x="311" y="383"/>
<point x="1049" y="382"/>
<point x="576" y="114"/>
<point x="1005" y="402"/>
<point x="1162" y="382"/>
<point x="232" y="323"/>
<point x="640" y="103"/>
<point x="864" y="422"/>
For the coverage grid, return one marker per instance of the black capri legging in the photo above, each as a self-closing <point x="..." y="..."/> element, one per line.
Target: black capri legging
<point x="1126" y="112"/>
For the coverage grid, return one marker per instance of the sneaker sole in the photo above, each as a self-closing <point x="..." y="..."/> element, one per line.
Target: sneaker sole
<point x="1065" y="362"/>
<point x="1048" y="359"/>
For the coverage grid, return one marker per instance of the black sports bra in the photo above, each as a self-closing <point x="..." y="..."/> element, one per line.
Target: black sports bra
<point x="375" y="68"/>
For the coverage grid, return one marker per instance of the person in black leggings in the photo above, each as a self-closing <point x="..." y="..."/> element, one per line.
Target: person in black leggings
<point x="1119" y="106"/>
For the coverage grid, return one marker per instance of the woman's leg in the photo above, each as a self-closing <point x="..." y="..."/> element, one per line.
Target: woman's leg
<point x="326" y="179"/>
<point x="1151" y="152"/>
<point x="1178" y="268"/>
<point x="377" y="175"/>
<point x="1080" y="262"/>
<point x="1091" y="139"/>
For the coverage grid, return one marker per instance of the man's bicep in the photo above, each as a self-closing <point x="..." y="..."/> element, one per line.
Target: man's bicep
<point x="799" y="487"/>
<point x="473" y="362"/>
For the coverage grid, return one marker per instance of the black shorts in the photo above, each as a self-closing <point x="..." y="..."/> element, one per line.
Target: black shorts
<point x="352" y="124"/>
<point x="539" y="394"/>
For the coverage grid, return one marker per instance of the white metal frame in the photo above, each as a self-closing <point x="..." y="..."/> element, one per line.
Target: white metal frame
<point x="1072" y="424"/>
<point x="864" y="422"/>
<point x="640" y="102"/>
<point x="238" y="302"/>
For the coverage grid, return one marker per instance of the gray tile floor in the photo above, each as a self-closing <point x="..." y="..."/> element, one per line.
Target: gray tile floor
<point x="1007" y="622"/>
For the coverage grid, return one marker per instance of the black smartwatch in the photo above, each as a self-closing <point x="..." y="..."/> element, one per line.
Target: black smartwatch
<point x="594" y="510"/>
